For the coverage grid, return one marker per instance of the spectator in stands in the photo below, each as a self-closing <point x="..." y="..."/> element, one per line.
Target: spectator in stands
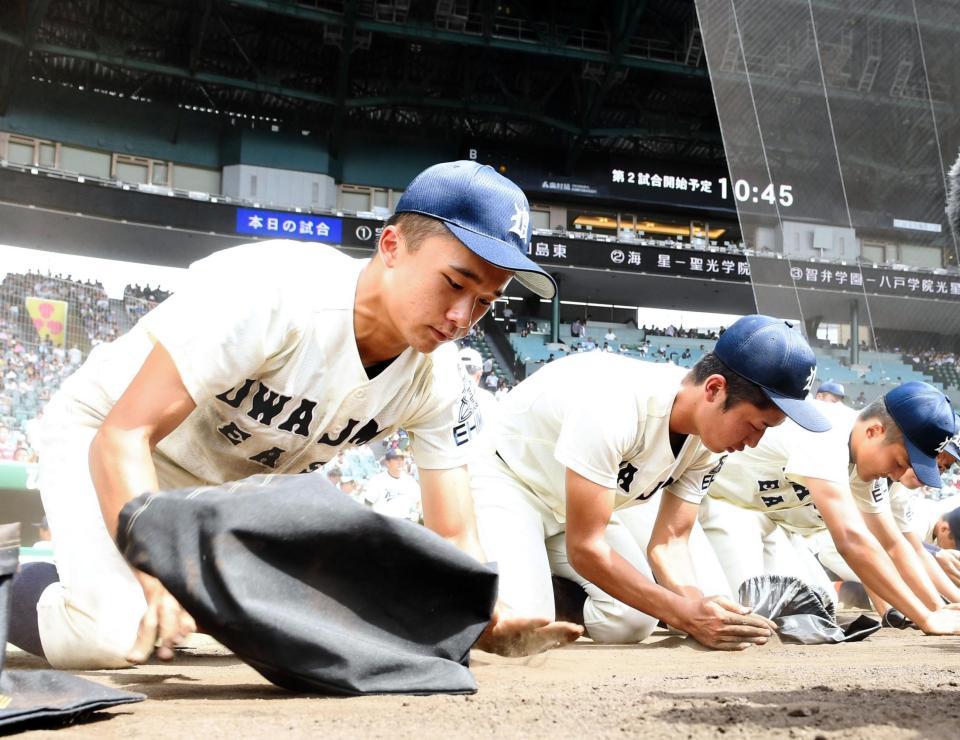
<point x="610" y="336"/>
<point x="860" y="401"/>
<point x="8" y="443"/>
<point x="831" y="392"/>
<point x="686" y="354"/>
<point x="576" y="328"/>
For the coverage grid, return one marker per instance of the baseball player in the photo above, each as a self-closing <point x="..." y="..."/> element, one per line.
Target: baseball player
<point x="472" y="364"/>
<point x="766" y="502"/>
<point x="274" y="356"/>
<point x="905" y="518"/>
<point x="394" y="492"/>
<point x="596" y="432"/>
<point x="831" y="392"/>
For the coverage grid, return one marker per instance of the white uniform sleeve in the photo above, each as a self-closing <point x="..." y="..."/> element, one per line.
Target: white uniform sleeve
<point x="443" y="427"/>
<point x="224" y="325"/>
<point x="901" y="505"/>
<point x="692" y="486"/>
<point x="598" y="428"/>
<point x="871" y="497"/>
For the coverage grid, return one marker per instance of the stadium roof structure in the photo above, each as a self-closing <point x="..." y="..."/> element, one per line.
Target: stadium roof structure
<point x="624" y="76"/>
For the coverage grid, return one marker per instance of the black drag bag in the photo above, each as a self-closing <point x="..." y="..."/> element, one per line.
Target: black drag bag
<point x="316" y="592"/>
<point x="803" y="613"/>
<point x="41" y="699"/>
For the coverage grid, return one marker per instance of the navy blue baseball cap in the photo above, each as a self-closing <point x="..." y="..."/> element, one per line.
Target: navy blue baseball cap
<point x="485" y="211"/>
<point x="928" y="423"/>
<point x="952" y="518"/>
<point x="832" y="386"/>
<point x="952" y="446"/>
<point x="771" y="354"/>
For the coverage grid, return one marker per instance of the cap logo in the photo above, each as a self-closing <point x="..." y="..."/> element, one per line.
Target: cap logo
<point x="811" y="378"/>
<point x="955" y="439"/>
<point x="520" y="221"/>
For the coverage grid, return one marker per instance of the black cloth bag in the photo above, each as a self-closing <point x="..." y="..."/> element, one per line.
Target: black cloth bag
<point x="34" y="699"/>
<point x="802" y="613"/>
<point x="314" y="591"/>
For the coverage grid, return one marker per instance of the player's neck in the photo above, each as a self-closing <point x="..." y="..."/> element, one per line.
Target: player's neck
<point x="377" y="337"/>
<point x="682" y="413"/>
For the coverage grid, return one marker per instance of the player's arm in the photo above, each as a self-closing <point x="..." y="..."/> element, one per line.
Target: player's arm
<point x="869" y="561"/>
<point x="882" y="526"/>
<point x="668" y="552"/>
<point x="153" y="405"/>
<point x="949" y="561"/>
<point x="715" y="622"/>
<point x="448" y="510"/>
<point x="945" y="587"/>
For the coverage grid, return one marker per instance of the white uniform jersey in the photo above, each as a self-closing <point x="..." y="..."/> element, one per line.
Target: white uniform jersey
<point x="262" y="337"/>
<point x="769" y="477"/>
<point x="903" y="502"/>
<point x="605" y="417"/>
<point x="396" y="497"/>
<point x="927" y="512"/>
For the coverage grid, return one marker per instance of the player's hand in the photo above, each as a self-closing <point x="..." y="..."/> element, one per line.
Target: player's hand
<point x="950" y="562"/>
<point x="722" y="624"/>
<point x="165" y="622"/>
<point x="941" y="622"/>
<point x="515" y="636"/>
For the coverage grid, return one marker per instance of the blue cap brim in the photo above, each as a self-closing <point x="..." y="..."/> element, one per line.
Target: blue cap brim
<point x="953" y="450"/>
<point x="923" y="465"/>
<point x="800" y="411"/>
<point x="527" y="272"/>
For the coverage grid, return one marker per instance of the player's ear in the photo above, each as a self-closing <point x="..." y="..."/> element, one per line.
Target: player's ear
<point x="389" y="245"/>
<point x="875" y="430"/>
<point x="714" y="387"/>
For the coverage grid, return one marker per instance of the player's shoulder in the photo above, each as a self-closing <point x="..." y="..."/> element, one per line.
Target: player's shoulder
<point x="287" y="259"/>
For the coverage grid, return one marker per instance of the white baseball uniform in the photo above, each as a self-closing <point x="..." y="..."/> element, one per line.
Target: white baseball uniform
<point x="605" y="417"/>
<point x="902" y="504"/>
<point x="262" y="337"/>
<point x="759" y="515"/>
<point x="397" y="497"/>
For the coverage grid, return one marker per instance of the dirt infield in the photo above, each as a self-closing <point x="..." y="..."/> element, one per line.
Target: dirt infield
<point x="894" y="685"/>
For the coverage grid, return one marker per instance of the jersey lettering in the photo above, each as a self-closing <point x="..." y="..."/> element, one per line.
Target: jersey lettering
<point x="234" y="433"/>
<point x="801" y="491"/>
<point x="239" y="393"/>
<point x="772" y="500"/>
<point x="299" y="421"/>
<point x="266" y="404"/>
<point x="768" y="485"/>
<point x="625" y="477"/>
<point x="268" y="457"/>
<point x="876" y="493"/>
<point x="661" y="484"/>
<point x="712" y="473"/>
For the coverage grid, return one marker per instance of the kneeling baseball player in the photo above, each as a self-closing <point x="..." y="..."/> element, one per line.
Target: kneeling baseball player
<point x="766" y="502"/>
<point x="596" y="432"/>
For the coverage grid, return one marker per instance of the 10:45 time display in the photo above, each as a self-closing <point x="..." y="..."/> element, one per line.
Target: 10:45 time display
<point x="744" y="192"/>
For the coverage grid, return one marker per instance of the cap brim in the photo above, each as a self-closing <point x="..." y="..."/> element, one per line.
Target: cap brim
<point x="923" y="465"/>
<point x="527" y="272"/>
<point x="953" y="450"/>
<point x="800" y="411"/>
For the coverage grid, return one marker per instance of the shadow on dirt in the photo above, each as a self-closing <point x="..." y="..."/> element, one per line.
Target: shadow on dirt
<point x="818" y="707"/>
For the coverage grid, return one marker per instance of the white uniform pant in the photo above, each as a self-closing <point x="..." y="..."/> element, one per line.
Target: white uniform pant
<point x="822" y="545"/>
<point x="89" y="619"/>
<point x="710" y="578"/>
<point x="749" y="543"/>
<point x="522" y="535"/>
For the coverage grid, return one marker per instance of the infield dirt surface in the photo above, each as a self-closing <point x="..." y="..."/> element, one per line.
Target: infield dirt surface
<point x="893" y="685"/>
